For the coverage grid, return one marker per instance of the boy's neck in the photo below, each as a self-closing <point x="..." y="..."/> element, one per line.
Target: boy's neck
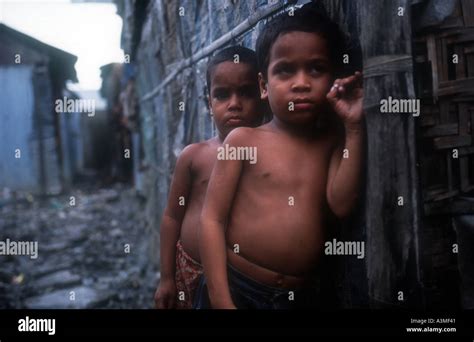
<point x="307" y="131"/>
<point x="219" y="138"/>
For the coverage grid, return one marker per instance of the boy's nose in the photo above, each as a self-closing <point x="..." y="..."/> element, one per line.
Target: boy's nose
<point x="301" y="82"/>
<point x="235" y="103"/>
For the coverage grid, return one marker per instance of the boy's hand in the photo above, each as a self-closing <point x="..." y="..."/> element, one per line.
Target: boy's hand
<point x="165" y="295"/>
<point x="346" y="97"/>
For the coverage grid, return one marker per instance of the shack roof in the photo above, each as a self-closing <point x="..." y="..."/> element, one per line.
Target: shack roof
<point x="61" y="62"/>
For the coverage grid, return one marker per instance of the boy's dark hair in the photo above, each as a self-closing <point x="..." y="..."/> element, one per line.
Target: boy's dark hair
<point x="310" y="18"/>
<point x="246" y="56"/>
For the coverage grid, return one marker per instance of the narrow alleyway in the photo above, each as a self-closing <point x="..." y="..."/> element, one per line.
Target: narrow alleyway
<point x="93" y="251"/>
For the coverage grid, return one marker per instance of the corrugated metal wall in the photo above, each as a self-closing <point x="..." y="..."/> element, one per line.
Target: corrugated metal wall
<point x="72" y="145"/>
<point x="16" y="130"/>
<point x="28" y="124"/>
<point x="45" y="130"/>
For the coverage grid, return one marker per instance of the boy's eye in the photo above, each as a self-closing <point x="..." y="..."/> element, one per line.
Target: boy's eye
<point x="247" y="92"/>
<point x="317" y="69"/>
<point x="221" y="94"/>
<point x="284" y="69"/>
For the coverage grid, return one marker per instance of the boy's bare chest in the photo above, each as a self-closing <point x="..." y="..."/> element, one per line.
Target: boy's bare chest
<point x="284" y="164"/>
<point x="201" y="170"/>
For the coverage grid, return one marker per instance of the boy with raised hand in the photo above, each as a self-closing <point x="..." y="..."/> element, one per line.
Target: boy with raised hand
<point x="263" y="224"/>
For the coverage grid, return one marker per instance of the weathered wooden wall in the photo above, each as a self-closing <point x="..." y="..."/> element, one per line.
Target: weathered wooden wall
<point x="392" y="226"/>
<point x="444" y="56"/>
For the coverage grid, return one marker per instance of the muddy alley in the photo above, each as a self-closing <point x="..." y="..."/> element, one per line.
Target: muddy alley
<point x="92" y="250"/>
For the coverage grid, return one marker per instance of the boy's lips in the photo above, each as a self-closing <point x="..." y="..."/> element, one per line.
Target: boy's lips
<point x="302" y="104"/>
<point x="235" y="120"/>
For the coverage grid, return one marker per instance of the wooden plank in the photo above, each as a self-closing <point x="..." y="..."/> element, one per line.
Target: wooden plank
<point x="464" y="119"/>
<point x="449" y="208"/>
<point x="433" y="58"/>
<point x="391" y="170"/>
<point x="456" y="87"/>
<point x="463" y="98"/>
<point x="449" y="170"/>
<point x="439" y="58"/>
<point x="428" y="120"/>
<point x="464" y="173"/>
<point x="464" y="36"/>
<point x="470" y="65"/>
<point x="471" y="111"/>
<point x="469" y="188"/>
<point x="464" y="151"/>
<point x="452" y="141"/>
<point x="444" y="111"/>
<point x="444" y="59"/>
<point x="452" y="22"/>
<point x="434" y="190"/>
<point x="468" y="12"/>
<point x="441" y="130"/>
<point x="440" y="196"/>
<point x="461" y="65"/>
<point x="420" y="59"/>
<point x="453" y="32"/>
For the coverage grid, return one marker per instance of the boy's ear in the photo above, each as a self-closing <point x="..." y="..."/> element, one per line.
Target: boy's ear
<point x="209" y="103"/>
<point x="262" y="83"/>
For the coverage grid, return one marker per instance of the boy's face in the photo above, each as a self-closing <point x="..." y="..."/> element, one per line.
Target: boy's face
<point x="234" y="97"/>
<point x="299" y="76"/>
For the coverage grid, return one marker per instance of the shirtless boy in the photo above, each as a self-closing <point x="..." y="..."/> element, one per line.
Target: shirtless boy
<point x="263" y="224"/>
<point x="234" y="101"/>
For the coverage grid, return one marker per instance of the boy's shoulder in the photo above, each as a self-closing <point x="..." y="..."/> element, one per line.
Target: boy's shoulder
<point x="197" y="150"/>
<point x="197" y="147"/>
<point x="245" y="135"/>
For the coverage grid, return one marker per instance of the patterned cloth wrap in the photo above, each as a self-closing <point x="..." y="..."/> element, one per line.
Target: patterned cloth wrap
<point x="188" y="273"/>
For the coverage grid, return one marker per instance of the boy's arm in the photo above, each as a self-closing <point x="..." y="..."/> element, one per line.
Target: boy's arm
<point x="170" y="228"/>
<point x="346" y="162"/>
<point x="220" y="194"/>
<point x="345" y="173"/>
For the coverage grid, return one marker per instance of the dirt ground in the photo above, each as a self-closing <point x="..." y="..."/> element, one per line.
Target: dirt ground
<point x="93" y="250"/>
